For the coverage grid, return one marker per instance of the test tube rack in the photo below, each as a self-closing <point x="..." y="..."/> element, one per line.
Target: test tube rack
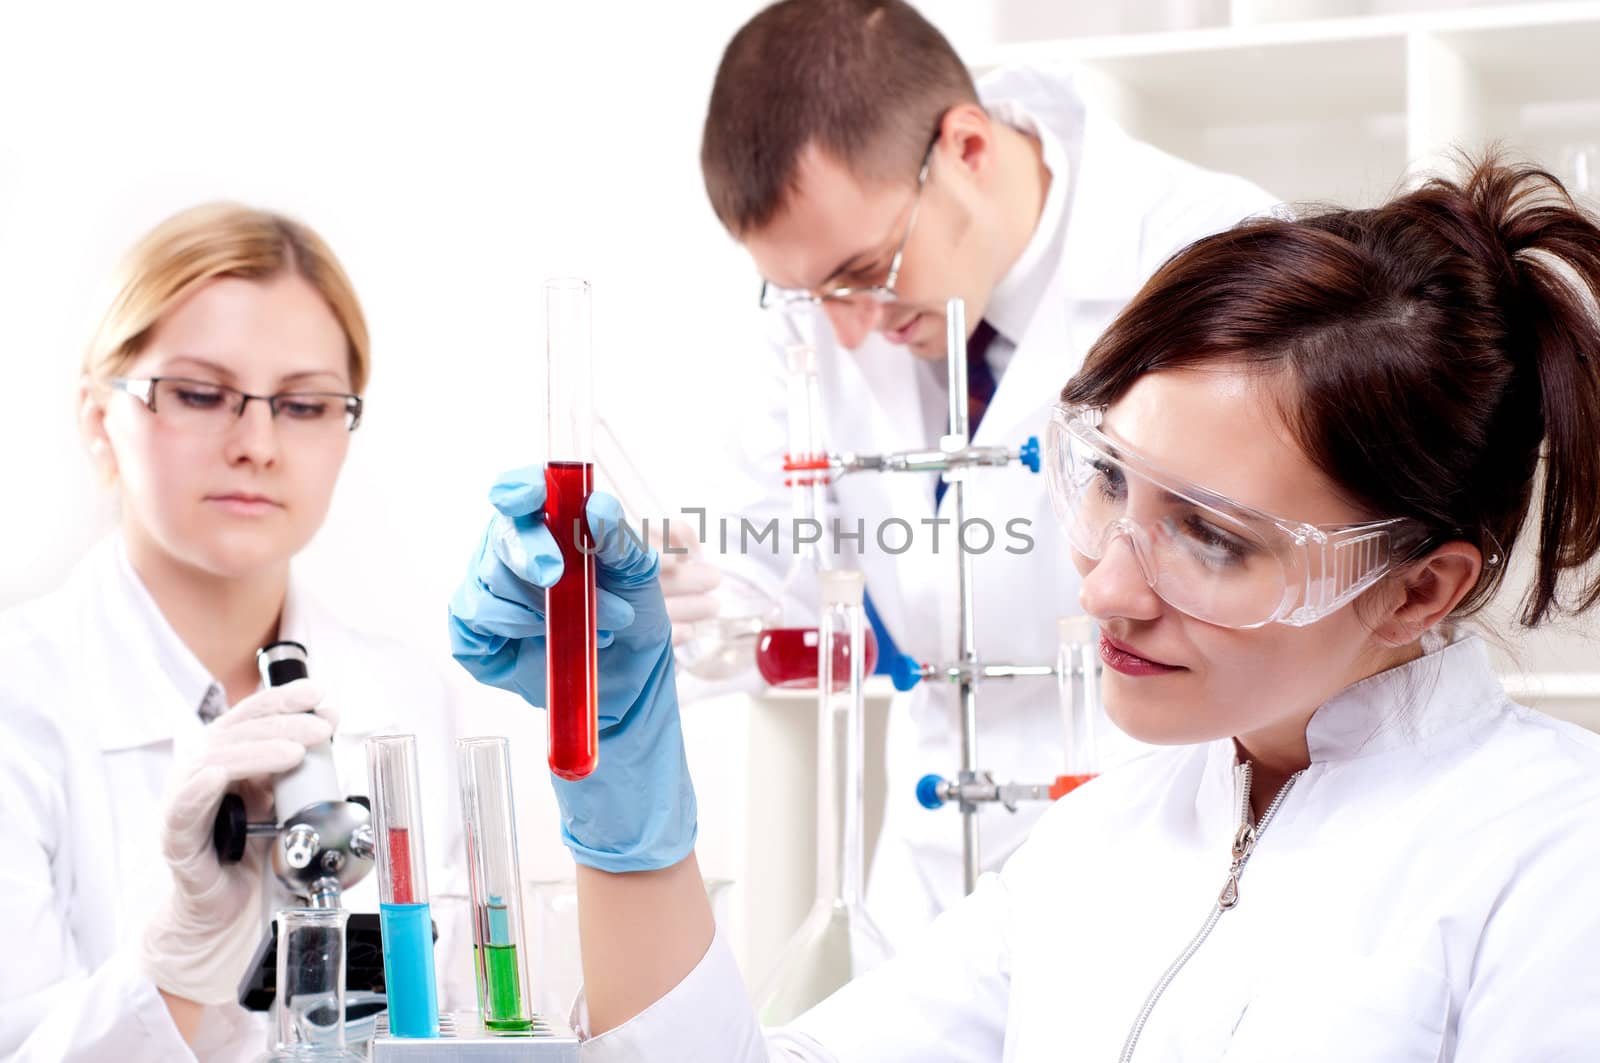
<point x="463" y="1039"/>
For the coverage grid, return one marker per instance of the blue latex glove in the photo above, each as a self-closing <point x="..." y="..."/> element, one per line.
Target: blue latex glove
<point x="636" y="812"/>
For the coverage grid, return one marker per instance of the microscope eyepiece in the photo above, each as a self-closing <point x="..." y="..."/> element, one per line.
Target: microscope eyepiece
<point x="281" y="663"/>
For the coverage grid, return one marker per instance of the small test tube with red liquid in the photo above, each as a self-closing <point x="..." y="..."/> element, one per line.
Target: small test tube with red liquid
<point x="571" y="667"/>
<point x="404" y="915"/>
<point x="1082" y="717"/>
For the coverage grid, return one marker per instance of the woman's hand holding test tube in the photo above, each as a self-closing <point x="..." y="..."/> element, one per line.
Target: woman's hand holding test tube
<point x="636" y="812"/>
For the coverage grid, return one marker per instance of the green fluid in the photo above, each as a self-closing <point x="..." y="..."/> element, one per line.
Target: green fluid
<point x="502" y="995"/>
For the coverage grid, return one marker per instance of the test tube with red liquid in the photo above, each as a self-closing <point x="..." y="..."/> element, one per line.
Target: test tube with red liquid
<point x="404" y="915"/>
<point x="571" y="670"/>
<point x="1082" y="716"/>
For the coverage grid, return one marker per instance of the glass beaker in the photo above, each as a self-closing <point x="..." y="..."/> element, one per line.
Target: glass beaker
<point x="724" y="645"/>
<point x="309" y="1005"/>
<point x="837" y="940"/>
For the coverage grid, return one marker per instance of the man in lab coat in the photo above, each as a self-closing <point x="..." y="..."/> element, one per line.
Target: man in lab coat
<point x="848" y="150"/>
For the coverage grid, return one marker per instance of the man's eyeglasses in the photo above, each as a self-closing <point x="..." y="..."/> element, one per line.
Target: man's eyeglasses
<point x="203" y="406"/>
<point x="773" y="296"/>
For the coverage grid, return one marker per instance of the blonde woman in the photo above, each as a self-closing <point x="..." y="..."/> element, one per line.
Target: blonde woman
<point x="219" y="397"/>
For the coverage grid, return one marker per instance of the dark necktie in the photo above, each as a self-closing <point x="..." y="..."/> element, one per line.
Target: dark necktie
<point x="980" y="388"/>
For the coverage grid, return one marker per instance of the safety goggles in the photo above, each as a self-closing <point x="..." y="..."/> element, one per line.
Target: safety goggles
<point x="1206" y="555"/>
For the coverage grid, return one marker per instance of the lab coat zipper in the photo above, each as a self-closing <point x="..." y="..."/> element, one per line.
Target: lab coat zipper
<point x="1244" y="843"/>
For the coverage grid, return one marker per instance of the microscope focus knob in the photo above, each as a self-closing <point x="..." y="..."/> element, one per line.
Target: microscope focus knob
<point x="361" y="842"/>
<point x="300" y="845"/>
<point x="230" y="830"/>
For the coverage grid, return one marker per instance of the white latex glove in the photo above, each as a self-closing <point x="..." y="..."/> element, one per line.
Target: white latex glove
<point x="687" y="581"/>
<point x="200" y="940"/>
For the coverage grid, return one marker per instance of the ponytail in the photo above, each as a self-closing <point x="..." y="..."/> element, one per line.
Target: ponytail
<point x="1445" y="349"/>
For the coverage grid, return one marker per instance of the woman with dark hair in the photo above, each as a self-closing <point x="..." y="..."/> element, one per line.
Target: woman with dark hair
<point x="1291" y="471"/>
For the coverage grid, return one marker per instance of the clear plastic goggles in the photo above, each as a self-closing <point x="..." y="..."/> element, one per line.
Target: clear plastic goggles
<point x="1206" y="555"/>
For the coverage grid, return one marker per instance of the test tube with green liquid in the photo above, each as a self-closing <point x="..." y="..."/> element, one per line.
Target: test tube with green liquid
<point x="504" y="996"/>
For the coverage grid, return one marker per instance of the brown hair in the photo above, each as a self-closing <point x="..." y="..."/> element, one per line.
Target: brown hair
<point x="206" y="242"/>
<point x="865" y="80"/>
<point x="1434" y="345"/>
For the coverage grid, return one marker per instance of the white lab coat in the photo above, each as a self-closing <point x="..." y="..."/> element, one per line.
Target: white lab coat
<point x="96" y="691"/>
<point x="1123" y="209"/>
<point x="1425" y="892"/>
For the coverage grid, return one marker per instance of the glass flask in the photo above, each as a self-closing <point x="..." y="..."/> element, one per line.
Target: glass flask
<point x="787" y="648"/>
<point x="837" y="940"/>
<point x="717" y="647"/>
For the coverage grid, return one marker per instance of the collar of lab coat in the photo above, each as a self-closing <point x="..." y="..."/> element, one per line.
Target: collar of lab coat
<point x="1022" y="289"/>
<point x="1104" y="201"/>
<point x="1090" y="251"/>
<point x="1407" y="706"/>
<point x="150" y="683"/>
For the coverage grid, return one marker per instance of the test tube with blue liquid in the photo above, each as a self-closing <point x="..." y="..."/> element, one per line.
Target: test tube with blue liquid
<point x="504" y="995"/>
<point x="403" y="911"/>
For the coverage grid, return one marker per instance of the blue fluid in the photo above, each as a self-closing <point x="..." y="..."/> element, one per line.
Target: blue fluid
<point x="408" y="969"/>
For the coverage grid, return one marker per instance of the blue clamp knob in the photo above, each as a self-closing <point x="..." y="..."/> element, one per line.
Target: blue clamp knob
<point x="905" y="672"/>
<point x="928" y="791"/>
<point x="1028" y="453"/>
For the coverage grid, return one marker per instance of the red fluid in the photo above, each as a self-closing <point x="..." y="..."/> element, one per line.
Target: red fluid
<point x="572" y="686"/>
<point x="787" y="657"/>
<point x="1065" y="784"/>
<point x="400" y="866"/>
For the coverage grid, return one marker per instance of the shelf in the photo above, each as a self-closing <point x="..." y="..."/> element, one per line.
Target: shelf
<point x="1306" y="28"/>
<point x="1345" y="109"/>
<point x="1531" y="88"/>
<point x="1337" y="135"/>
<point x="1247" y="83"/>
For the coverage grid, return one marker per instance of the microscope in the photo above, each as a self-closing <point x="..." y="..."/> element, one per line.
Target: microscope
<point x="321" y="846"/>
<point x="321" y="842"/>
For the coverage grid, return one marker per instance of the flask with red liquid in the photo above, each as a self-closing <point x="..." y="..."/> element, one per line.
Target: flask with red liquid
<point x="787" y="648"/>
<point x="571" y="670"/>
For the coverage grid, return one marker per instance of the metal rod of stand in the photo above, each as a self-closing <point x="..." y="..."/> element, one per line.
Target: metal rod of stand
<point x="967" y="650"/>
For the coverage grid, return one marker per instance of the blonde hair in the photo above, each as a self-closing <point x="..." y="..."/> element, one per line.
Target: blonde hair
<point x="206" y="242"/>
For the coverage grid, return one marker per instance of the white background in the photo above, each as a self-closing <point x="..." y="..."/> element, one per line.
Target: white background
<point x="453" y="156"/>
